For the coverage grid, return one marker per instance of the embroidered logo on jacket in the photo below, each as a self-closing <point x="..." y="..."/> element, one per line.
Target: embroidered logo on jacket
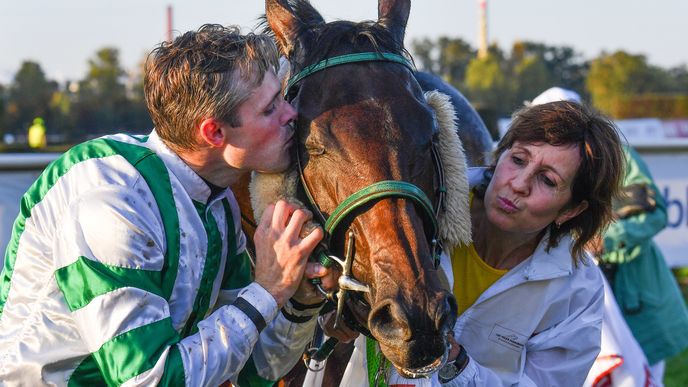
<point x="507" y="338"/>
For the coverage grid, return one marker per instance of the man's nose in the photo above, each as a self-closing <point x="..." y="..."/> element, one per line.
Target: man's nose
<point x="290" y="113"/>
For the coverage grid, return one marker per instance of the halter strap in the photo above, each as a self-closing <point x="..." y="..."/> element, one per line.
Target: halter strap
<point x="375" y="192"/>
<point x="344" y="59"/>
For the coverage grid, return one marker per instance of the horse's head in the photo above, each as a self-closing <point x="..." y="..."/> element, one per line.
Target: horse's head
<point x="361" y="123"/>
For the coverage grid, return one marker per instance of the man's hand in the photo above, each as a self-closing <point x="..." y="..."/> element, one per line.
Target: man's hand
<point x="281" y="253"/>
<point x="306" y="293"/>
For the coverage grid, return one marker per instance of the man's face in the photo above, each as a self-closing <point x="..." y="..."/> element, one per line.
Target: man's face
<point x="263" y="140"/>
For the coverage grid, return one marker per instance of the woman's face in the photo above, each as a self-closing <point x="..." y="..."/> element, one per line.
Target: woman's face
<point x="531" y="187"/>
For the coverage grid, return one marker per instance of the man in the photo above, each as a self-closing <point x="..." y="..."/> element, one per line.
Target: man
<point x="127" y="263"/>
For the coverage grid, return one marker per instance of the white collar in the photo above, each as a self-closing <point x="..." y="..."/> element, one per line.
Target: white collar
<point x="193" y="184"/>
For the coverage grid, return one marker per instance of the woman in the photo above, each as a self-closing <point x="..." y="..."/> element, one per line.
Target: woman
<point x="530" y="301"/>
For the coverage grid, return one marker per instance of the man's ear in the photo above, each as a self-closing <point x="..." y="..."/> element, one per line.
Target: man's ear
<point x="212" y="132"/>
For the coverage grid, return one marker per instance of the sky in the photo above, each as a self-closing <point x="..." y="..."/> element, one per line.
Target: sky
<point x="62" y="35"/>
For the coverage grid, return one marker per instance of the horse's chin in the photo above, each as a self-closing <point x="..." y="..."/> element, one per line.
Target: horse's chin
<point x="426" y="371"/>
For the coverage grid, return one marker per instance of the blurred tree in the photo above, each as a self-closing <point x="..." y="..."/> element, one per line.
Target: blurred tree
<point x="531" y="77"/>
<point x="447" y="57"/>
<point x="424" y="54"/>
<point x="62" y="122"/>
<point x="101" y="97"/>
<point x="679" y="78"/>
<point x="565" y="66"/>
<point x="613" y="76"/>
<point x="454" y="56"/>
<point x="137" y="119"/>
<point x="488" y="89"/>
<point x="29" y="97"/>
<point x="486" y="82"/>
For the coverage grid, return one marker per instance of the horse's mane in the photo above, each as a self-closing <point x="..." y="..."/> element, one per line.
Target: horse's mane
<point x="335" y="35"/>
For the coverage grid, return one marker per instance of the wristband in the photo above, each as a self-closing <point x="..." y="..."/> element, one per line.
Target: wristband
<point x="251" y="312"/>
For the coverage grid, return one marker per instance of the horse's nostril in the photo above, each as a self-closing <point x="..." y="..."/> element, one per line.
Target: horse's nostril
<point x="388" y="320"/>
<point x="445" y="316"/>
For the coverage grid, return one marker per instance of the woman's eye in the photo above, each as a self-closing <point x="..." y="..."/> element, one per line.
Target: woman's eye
<point x="517" y="160"/>
<point x="548" y="181"/>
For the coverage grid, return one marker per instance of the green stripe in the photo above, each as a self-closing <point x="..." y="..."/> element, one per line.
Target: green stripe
<point x="86" y="279"/>
<point x="248" y="377"/>
<point x="174" y="369"/>
<point x="36" y="193"/>
<point x="238" y="267"/>
<point x="237" y="272"/>
<point x="136" y="351"/>
<point x="154" y="173"/>
<point x="210" y="269"/>
<point x="86" y="374"/>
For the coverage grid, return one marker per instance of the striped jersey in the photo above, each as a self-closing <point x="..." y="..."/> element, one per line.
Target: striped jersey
<point x="122" y="269"/>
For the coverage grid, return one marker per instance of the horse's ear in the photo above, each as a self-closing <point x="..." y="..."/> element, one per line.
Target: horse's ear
<point x="289" y="24"/>
<point x="393" y="15"/>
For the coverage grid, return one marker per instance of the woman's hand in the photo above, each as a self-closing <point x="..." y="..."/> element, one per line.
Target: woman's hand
<point x="454" y="347"/>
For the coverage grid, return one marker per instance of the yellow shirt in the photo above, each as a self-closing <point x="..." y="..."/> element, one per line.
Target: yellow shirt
<point x="472" y="276"/>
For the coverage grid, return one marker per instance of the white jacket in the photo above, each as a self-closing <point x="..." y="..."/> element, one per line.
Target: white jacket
<point x="538" y="325"/>
<point x="122" y="269"/>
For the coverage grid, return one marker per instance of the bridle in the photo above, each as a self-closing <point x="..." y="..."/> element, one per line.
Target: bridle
<point x="365" y="196"/>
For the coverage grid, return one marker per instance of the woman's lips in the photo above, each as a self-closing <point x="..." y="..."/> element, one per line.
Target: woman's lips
<point x="506" y="205"/>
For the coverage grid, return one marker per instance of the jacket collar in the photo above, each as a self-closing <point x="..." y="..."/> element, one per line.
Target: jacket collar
<point x="555" y="263"/>
<point x="196" y="188"/>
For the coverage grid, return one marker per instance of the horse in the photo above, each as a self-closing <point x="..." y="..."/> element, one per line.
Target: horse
<point x="365" y="152"/>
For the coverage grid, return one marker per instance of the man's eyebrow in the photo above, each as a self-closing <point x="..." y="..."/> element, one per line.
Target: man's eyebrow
<point x="278" y="94"/>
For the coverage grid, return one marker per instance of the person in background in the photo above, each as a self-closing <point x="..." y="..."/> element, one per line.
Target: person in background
<point x="127" y="263"/>
<point x="642" y="283"/>
<point x="36" y="134"/>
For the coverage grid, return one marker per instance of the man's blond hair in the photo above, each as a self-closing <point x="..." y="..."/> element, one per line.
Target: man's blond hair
<point x="203" y="74"/>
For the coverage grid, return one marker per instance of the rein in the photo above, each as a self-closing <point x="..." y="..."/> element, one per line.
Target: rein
<point x="368" y="195"/>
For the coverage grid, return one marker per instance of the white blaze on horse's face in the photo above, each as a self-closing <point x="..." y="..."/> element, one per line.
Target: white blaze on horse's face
<point x="263" y="139"/>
